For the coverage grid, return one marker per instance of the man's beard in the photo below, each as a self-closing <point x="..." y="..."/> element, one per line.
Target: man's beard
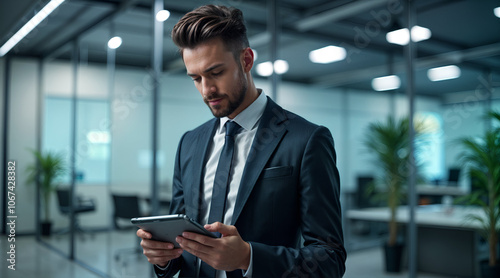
<point x="241" y="88"/>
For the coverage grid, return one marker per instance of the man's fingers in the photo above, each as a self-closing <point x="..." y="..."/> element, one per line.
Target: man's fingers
<point x="214" y="227"/>
<point x="227" y="253"/>
<point x="143" y="234"/>
<point x="158" y="252"/>
<point x="221" y="228"/>
<point x="201" y="239"/>
<point x="162" y="253"/>
<point x="195" y="244"/>
<point x="153" y="244"/>
<point x="162" y="257"/>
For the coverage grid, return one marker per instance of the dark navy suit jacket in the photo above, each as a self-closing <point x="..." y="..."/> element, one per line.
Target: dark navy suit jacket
<point x="288" y="202"/>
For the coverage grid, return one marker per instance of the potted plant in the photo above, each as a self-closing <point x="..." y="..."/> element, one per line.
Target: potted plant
<point x="482" y="155"/>
<point x="390" y="142"/>
<point x="45" y="171"/>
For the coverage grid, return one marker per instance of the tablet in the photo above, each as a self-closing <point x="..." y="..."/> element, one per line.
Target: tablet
<point x="168" y="227"/>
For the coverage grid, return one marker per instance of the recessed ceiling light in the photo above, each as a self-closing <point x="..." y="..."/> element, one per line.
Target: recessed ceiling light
<point x="327" y="54"/>
<point x="280" y="66"/>
<point x="114" y="42"/>
<point x="496" y="11"/>
<point x="402" y="36"/>
<point x="385" y="83"/>
<point x="266" y="68"/>
<point x="419" y="33"/>
<point x="444" y="73"/>
<point x="162" y="15"/>
<point x="29" y="26"/>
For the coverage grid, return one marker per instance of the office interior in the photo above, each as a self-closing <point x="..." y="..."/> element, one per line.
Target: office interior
<point x="116" y="113"/>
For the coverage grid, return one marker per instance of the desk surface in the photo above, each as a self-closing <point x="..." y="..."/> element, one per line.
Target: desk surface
<point x="430" y="215"/>
<point x="425" y="189"/>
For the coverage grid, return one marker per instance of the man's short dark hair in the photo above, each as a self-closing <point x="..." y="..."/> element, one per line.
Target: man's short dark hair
<point x="209" y="22"/>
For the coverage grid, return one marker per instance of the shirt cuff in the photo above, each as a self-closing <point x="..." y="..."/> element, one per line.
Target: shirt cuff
<point x="248" y="273"/>
<point x="163" y="269"/>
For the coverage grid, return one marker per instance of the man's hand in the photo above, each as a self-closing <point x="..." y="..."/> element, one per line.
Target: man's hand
<point x="227" y="253"/>
<point x="157" y="252"/>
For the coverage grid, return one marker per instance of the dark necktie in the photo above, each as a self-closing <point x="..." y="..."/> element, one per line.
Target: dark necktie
<point x="221" y="181"/>
<point x="221" y="185"/>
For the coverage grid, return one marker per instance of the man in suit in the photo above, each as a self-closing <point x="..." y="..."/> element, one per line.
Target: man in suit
<point x="280" y="197"/>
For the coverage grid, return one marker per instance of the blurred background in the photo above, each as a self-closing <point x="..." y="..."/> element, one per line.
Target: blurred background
<point x="97" y="90"/>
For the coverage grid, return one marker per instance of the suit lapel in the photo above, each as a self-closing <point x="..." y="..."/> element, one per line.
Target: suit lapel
<point x="200" y="150"/>
<point x="271" y="130"/>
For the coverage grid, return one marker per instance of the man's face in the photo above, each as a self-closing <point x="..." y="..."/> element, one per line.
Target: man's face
<point x="217" y="76"/>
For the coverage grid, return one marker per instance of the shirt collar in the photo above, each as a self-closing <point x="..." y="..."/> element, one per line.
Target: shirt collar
<point x="249" y="117"/>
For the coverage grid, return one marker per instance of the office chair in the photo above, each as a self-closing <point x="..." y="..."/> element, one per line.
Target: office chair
<point x="82" y="206"/>
<point x="363" y="199"/>
<point x="126" y="207"/>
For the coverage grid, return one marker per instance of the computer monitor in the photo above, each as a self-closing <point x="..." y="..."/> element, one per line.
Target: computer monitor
<point x="453" y="176"/>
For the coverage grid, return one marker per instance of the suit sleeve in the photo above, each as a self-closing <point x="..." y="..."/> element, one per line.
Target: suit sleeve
<point x="176" y="207"/>
<point x="322" y="253"/>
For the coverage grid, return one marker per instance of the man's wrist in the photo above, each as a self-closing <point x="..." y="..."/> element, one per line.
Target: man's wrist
<point x="248" y="273"/>
<point x="246" y="260"/>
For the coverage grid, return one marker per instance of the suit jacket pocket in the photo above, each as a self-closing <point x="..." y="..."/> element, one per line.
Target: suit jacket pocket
<point x="279" y="171"/>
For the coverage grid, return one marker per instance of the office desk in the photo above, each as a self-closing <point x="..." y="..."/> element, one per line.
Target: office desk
<point x="447" y="243"/>
<point x="433" y="194"/>
<point x="427" y="194"/>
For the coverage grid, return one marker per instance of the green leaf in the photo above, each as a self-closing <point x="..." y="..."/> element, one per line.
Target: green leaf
<point x="482" y="156"/>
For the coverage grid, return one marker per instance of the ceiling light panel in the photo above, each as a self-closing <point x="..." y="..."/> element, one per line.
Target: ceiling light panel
<point x="264" y="69"/>
<point x="327" y="54"/>
<point x="444" y="73"/>
<point x="162" y="15"/>
<point x="114" y="42"/>
<point x="385" y="83"/>
<point x="267" y="68"/>
<point x="280" y="66"/>
<point x="29" y="26"/>
<point x="419" y="33"/>
<point x="402" y="36"/>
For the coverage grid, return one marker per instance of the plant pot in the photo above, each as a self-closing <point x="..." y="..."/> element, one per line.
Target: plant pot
<point x="488" y="271"/>
<point x="45" y="228"/>
<point x="393" y="257"/>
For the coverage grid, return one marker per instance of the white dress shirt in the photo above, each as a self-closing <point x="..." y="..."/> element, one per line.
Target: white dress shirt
<point x="249" y="120"/>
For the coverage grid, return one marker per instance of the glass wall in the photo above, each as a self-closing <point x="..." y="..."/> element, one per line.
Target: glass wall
<point x="56" y="139"/>
<point x="130" y="171"/>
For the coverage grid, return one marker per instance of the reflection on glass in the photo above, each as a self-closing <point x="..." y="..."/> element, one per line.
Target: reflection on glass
<point x="56" y="139"/>
<point x="430" y="156"/>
